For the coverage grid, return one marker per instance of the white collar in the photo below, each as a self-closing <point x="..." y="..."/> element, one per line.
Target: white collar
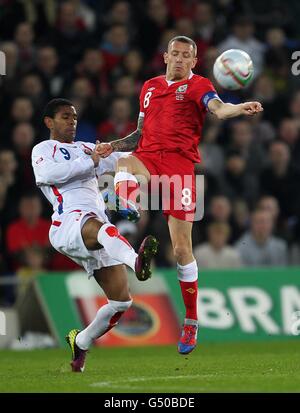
<point x="170" y="82"/>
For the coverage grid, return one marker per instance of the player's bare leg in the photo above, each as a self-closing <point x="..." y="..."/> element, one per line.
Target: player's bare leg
<point x="127" y="187"/>
<point x="181" y="238"/>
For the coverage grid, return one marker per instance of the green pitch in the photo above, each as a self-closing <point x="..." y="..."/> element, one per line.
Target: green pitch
<point x="255" y="367"/>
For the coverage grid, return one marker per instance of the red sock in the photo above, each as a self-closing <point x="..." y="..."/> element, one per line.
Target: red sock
<point x="189" y="291"/>
<point x="128" y="190"/>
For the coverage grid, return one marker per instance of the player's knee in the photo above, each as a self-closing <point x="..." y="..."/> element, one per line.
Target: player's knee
<point x="182" y="252"/>
<point x="89" y="233"/>
<point x="120" y="306"/>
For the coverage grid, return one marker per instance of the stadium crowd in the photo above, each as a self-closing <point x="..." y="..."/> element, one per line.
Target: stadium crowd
<point x="98" y="54"/>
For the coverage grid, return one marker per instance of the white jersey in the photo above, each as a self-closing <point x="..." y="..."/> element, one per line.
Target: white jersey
<point x="67" y="175"/>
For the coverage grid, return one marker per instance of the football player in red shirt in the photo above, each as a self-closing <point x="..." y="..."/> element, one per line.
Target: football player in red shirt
<point x="172" y="112"/>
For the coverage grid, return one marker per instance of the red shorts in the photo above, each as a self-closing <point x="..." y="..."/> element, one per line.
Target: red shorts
<point x="174" y="176"/>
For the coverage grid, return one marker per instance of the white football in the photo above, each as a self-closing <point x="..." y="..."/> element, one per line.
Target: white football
<point x="233" y="69"/>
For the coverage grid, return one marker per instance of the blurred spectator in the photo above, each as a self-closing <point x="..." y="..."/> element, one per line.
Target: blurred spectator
<point x="41" y="15"/>
<point x="242" y="142"/>
<point x="289" y="132"/>
<point x="212" y="154"/>
<point x="28" y="230"/>
<point x="240" y="218"/>
<point x="24" y="37"/>
<point x="83" y="97"/>
<point x="85" y="15"/>
<point x="23" y="137"/>
<point x="119" y="123"/>
<point x="243" y="38"/>
<point x="124" y="87"/>
<point x="236" y="181"/>
<point x="219" y="210"/>
<point x="280" y="226"/>
<point x="115" y="45"/>
<point x="205" y="22"/>
<point x="81" y="89"/>
<point x="32" y="87"/>
<point x="259" y="247"/>
<point x="216" y="253"/>
<point x="69" y="37"/>
<point x="152" y="26"/>
<point x="264" y="131"/>
<point x="277" y="57"/>
<point x="8" y="167"/>
<point x="32" y="263"/>
<point x="132" y="66"/>
<point x="186" y="27"/>
<point x="275" y="106"/>
<point x="47" y="67"/>
<point x="269" y="204"/>
<point x="91" y="67"/>
<point x="119" y="13"/>
<point x="281" y="180"/>
<point x="209" y="57"/>
<point x="21" y="110"/>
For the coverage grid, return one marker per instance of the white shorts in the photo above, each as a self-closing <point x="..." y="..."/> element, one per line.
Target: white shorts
<point x="65" y="236"/>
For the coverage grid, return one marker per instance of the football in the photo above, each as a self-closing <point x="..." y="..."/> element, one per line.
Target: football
<point x="233" y="69"/>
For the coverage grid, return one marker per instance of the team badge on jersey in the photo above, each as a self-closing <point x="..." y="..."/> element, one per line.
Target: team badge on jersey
<point x="179" y="92"/>
<point x="182" y="89"/>
<point x="150" y="89"/>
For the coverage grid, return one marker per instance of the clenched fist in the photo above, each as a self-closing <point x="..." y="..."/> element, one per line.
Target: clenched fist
<point x="251" y="108"/>
<point x="103" y="149"/>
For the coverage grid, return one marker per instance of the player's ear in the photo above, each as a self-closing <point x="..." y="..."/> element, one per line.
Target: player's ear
<point x="166" y="57"/>
<point x="48" y="122"/>
<point x="194" y="62"/>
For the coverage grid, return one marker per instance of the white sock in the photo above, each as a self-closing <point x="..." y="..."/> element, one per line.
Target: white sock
<point x="116" y="246"/>
<point x="124" y="176"/>
<point x="106" y="318"/>
<point x="188" y="272"/>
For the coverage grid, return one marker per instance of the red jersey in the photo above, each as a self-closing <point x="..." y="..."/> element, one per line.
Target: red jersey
<point x="174" y="114"/>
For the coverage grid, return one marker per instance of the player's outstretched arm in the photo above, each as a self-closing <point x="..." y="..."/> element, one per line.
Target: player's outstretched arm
<point x="127" y="144"/>
<point x="228" y="110"/>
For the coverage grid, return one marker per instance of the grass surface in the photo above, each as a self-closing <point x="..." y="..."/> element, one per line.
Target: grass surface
<point x="255" y="367"/>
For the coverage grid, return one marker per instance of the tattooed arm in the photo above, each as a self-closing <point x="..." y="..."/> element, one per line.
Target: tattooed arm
<point x="127" y="144"/>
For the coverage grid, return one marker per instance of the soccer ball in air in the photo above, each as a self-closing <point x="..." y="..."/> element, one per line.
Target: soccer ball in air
<point x="233" y="69"/>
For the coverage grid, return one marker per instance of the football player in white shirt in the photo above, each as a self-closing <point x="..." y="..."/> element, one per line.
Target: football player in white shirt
<point x="66" y="172"/>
